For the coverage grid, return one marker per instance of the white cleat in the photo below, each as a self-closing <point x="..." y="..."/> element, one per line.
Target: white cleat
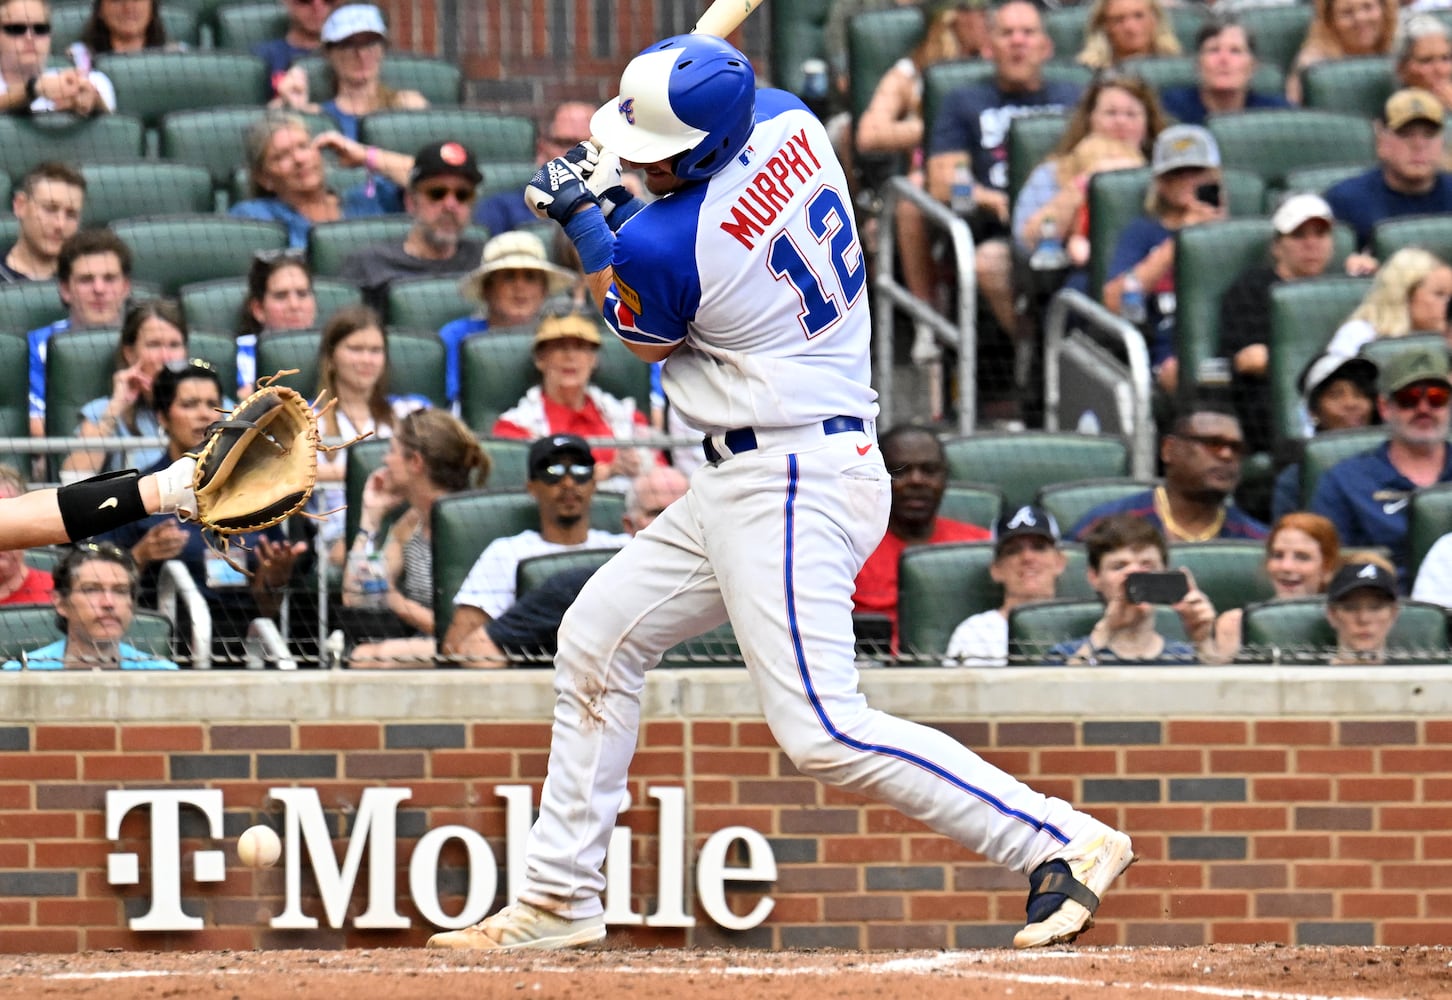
<point x="1065" y="890"/>
<point x="522" y="925"/>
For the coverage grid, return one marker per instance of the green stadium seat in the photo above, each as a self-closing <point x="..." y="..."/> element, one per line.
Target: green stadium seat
<point x="67" y="19"/>
<point x="220" y="351"/>
<point x="505" y="175"/>
<point x="1381" y="350"/>
<point x="360" y="460"/>
<point x="972" y="503"/>
<point x="151" y="84"/>
<point x="27" y="140"/>
<point x="1065" y="28"/>
<point x="176" y="250"/>
<point x="78" y="368"/>
<point x="1429" y="518"/>
<point x="1185" y="21"/>
<point x="1430" y="232"/>
<point x="495" y="371"/>
<point x="240" y="26"/>
<point x="488" y="136"/>
<point x="426" y="303"/>
<point x="216" y="305"/>
<point x="797" y="34"/>
<point x="1022" y="463"/>
<point x="440" y="82"/>
<point x="1315" y="179"/>
<point x="15" y="399"/>
<point x="6" y="192"/>
<point x="1273" y="142"/>
<point x="875" y="40"/>
<point x="212" y="138"/>
<point x="45" y="557"/>
<point x="1034" y="629"/>
<point x="535" y="570"/>
<point x="1279" y="31"/>
<point x="1296" y="631"/>
<point x="28" y="627"/>
<point x="465" y="523"/>
<point x="508" y="462"/>
<point x="1304" y="315"/>
<point x="416" y="360"/>
<point x="1325" y="450"/>
<point x="330" y="243"/>
<point x="1180" y="71"/>
<point x="26" y="305"/>
<point x="1353" y="86"/>
<point x="1031" y="138"/>
<point x="1069" y="501"/>
<point x="1231" y="572"/>
<point x="117" y="191"/>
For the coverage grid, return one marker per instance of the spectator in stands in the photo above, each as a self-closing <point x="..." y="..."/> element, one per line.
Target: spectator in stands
<point x="1027" y="564"/>
<point x="1362" y="606"/>
<point x="1186" y="169"/>
<point x="1409" y="295"/>
<point x="93" y="278"/>
<point x="919" y="469"/>
<point x="1342" y="28"/>
<point x="1407" y="180"/>
<point x="47" y="204"/>
<point x="1302" y="552"/>
<point x="1116" y="547"/>
<point x="95" y="602"/>
<point x="1113" y="126"/>
<point x="432" y="455"/>
<point x="187" y="396"/>
<point x="1201" y="455"/>
<point x="19" y="582"/>
<point x="566" y="128"/>
<point x="125" y="26"/>
<point x="28" y="83"/>
<point x="1116" y="30"/>
<point x="1224" y="67"/>
<point x="972" y="128"/>
<point x="566" y="401"/>
<point x="1423" y="53"/>
<point x="1337" y="393"/>
<point x="1301" y="248"/>
<point x="439" y="197"/>
<point x="354" y="39"/>
<point x="526" y="634"/>
<point x="153" y="335"/>
<point x="303" y="36"/>
<point x="353" y="369"/>
<point x="1366" y="496"/>
<point x="287" y="182"/>
<point x="279" y="298"/>
<point x="562" y="481"/>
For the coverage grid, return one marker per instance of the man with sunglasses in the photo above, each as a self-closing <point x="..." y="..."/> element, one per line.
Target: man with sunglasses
<point x="562" y="481"/>
<point x="28" y="83"/>
<point x="1366" y="496"/>
<point x="1201" y="456"/>
<point x="440" y="198"/>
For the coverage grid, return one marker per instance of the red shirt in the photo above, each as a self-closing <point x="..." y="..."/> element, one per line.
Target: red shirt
<point x="35" y="589"/>
<point x="877" y="581"/>
<point x="588" y="422"/>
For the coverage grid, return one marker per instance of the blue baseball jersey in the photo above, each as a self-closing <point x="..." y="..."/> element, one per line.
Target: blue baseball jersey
<point x="704" y="266"/>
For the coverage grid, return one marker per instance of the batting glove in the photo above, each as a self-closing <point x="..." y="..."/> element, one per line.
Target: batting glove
<point x="586" y="156"/>
<point x="604" y="181"/>
<point x="557" y="191"/>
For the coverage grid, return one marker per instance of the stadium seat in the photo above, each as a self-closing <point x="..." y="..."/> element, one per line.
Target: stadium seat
<point x="27" y="305"/>
<point x="1022" y="463"/>
<point x="360" y="460"/>
<point x="495" y="371"/>
<point x="27" y="140"/>
<point x="1352" y="86"/>
<point x="1325" y="450"/>
<point x="1231" y="572"/>
<point x="28" y="627"/>
<point x="45" y="557"/>
<point x="212" y="138"/>
<point x="972" y="503"/>
<point x="465" y="523"/>
<point x="285" y="349"/>
<point x="1383" y="348"/>
<point x="488" y="136"/>
<point x="116" y="191"/>
<point x="220" y="351"/>
<point x="78" y="369"/>
<point x="416" y="361"/>
<point x="216" y="305"/>
<point x="537" y="569"/>
<point x="15" y="399"/>
<point x="1429" y="518"/>
<point x="875" y="40"/>
<point x="439" y="81"/>
<point x="505" y="175"/>
<point x="1296" y="631"/>
<point x="1273" y="142"/>
<point x="330" y="243"/>
<point x="1069" y="501"/>
<point x="7" y="238"/>
<point x="1319" y="180"/>
<point x="1180" y="71"/>
<point x="1034" y="629"/>
<point x="1304" y="315"/>
<point x="1430" y="232"/>
<point x="426" y="303"/>
<point x="1065" y="28"/>
<point x="240" y="26"/>
<point x="1186" y="21"/>
<point x="1030" y="139"/>
<point x="176" y="250"/>
<point x="182" y="23"/>
<point x="797" y="34"/>
<point x="1279" y="31"/>
<point x="151" y="84"/>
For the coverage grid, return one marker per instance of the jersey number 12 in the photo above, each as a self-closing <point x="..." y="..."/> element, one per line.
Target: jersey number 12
<point x="836" y="245"/>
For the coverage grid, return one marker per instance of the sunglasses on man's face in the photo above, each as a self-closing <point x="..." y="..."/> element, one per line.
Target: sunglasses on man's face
<point x="20" y="30"/>
<point x="557" y="471"/>
<point x="463" y="195"/>
<point x="1409" y="397"/>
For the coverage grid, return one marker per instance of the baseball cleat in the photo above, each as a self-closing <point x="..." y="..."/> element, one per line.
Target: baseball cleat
<point x="1064" y="891"/>
<point x="522" y="925"/>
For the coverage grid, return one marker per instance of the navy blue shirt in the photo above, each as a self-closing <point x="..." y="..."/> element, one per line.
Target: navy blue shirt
<point x="279" y="54"/>
<point x="1135" y="243"/>
<point x="501" y="212"/>
<point x="976" y="118"/>
<point x="1238" y="524"/>
<point x="1187" y="107"/>
<point x="1364" y="200"/>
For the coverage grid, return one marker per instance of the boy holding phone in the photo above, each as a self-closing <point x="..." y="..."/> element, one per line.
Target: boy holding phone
<point x="1128" y="554"/>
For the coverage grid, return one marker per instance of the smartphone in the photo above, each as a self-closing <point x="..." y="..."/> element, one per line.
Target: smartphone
<point x="1209" y="193"/>
<point x="1168" y="587"/>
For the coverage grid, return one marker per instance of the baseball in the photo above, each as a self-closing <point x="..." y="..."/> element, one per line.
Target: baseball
<point x="259" y="847"/>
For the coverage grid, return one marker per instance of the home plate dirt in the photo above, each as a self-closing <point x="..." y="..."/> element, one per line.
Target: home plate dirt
<point x="1262" y="972"/>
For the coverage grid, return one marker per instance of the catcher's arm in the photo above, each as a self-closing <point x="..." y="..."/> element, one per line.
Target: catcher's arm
<point x="92" y="506"/>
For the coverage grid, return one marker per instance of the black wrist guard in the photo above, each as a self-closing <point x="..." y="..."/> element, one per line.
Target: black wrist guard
<point x="98" y="504"/>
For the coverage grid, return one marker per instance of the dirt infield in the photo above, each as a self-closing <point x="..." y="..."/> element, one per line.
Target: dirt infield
<point x="1263" y="972"/>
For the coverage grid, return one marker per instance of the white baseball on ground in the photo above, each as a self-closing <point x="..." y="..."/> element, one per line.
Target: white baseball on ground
<point x="259" y="846"/>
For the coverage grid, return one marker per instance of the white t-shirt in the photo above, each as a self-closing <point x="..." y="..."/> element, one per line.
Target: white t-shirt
<point x="490" y="584"/>
<point x="1434" y="579"/>
<point x="99" y="80"/>
<point x="980" y="641"/>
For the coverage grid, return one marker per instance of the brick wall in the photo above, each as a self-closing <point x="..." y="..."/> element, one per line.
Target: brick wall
<point x="1308" y="807"/>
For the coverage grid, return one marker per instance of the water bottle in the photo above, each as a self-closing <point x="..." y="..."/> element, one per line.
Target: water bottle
<point x="961" y="198"/>
<point x="1050" y="254"/>
<point x="372" y="578"/>
<point x="1131" y="302"/>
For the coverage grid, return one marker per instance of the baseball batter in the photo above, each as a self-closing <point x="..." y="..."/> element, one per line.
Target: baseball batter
<point x="748" y="276"/>
<point x="95" y="505"/>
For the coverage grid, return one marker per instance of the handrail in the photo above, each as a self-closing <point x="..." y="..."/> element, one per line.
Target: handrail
<point x="264" y="644"/>
<point x="892" y="296"/>
<point x="1122" y="334"/>
<point x="176" y="581"/>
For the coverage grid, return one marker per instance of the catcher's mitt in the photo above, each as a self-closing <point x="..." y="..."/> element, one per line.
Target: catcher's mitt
<point x="259" y="464"/>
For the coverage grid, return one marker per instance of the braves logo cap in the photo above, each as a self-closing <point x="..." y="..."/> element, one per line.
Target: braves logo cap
<point x="1029" y="519"/>
<point x="1362" y="576"/>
